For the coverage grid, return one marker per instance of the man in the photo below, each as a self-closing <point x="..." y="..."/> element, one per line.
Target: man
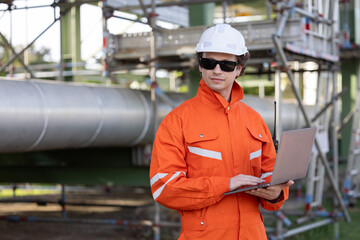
<point x="212" y="144"/>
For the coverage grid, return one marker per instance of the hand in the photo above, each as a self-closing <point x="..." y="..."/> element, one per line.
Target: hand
<point x="272" y="192"/>
<point x="242" y="180"/>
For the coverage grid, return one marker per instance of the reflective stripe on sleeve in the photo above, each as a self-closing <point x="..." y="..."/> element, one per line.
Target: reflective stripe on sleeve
<point x="205" y="153"/>
<point x="157" y="193"/>
<point x="255" y="154"/>
<point x="157" y="177"/>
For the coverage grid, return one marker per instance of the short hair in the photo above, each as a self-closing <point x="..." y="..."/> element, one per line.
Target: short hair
<point x="241" y="60"/>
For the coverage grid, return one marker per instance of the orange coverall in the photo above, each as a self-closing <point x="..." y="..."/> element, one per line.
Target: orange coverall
<point x="198" y="147"/>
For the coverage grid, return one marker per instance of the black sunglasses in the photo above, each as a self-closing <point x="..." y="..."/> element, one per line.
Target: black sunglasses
<point x="209" y="64"/>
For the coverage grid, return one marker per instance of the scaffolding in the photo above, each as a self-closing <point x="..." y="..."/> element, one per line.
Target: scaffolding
<point x="302" y="31"/>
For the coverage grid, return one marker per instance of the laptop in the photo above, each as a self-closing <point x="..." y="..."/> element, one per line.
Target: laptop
<point x="292" y="159"/>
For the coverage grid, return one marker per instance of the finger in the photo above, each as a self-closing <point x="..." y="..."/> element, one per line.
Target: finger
<point x="282" y="185"/>
<point x="251" y="178"/>
<point x="259" y="194"/>
<point x="290" y="182"/>
<point x="262" y="191"/>
<point x="287" y="184"/>
<point x="253" y="192"/>
<point x="248" y="176"/>
<point x="267" y="193"/>
<point x="249" y="182"/>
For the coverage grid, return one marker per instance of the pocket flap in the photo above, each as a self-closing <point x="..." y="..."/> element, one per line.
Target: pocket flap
<point x="199" y="136"/>
<point x="258" y="134"/>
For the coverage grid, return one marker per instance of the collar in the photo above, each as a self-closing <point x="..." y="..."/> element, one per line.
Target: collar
<point x="213" y="99"/>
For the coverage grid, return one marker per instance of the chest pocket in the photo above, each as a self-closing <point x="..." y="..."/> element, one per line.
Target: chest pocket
<point x="257" y="139"/>
<point x="203" y="149"/>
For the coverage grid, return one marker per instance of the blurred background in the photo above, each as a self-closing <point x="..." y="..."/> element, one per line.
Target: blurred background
<point x="84" y="85"/>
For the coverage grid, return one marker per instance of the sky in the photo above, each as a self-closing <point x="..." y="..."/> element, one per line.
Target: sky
<point x="23" y="26"/>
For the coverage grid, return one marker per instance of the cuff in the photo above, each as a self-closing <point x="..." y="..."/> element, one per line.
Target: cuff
<point x="276" y="200"/>
<point x="275" y="206"/>
<point x="220" y="186"/>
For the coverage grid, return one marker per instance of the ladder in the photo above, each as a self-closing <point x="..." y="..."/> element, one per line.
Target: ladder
<point x="316" y="171"/>
<point x="352" y="178"/>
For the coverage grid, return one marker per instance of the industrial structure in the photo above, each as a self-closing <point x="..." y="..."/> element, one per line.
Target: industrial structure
<point x="62" y="127"/>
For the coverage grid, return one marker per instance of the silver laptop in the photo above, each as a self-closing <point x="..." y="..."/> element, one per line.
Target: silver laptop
<point x="292" y="159"/>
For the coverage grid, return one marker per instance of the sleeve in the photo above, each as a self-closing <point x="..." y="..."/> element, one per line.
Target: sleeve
<point x="170" y="185"/>
<point x="267" y="165"/>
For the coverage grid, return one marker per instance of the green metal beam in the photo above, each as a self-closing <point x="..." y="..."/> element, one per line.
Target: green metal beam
<point x="124" y="176"/>
<point x="201" y="14"/>
<point x="77" y="166"/>
<point x="351" y="17"/>
<point x="71" y="39"/>
<point x="349" y="79"/>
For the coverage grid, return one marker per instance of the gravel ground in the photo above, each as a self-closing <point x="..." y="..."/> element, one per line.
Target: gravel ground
<point x="96" y="215"/>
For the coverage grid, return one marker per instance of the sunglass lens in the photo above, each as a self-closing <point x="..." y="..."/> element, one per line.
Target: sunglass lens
<point x="227" y="66"/>
<point x="208" y="63"/>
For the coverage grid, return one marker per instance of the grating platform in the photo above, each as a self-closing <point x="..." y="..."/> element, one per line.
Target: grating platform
<point x="175" y="48"/>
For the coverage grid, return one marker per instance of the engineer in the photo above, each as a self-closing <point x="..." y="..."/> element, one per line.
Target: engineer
<point x="212" y="144"/>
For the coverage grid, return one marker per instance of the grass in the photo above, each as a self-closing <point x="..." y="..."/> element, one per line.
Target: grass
<point x="347" y="231"/>
<point x="6" y="193"/>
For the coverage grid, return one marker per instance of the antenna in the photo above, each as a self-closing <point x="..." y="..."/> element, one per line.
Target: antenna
<point x="275" y="141"/>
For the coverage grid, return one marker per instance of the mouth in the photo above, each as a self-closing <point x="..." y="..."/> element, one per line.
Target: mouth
<point x="217" y="80"/>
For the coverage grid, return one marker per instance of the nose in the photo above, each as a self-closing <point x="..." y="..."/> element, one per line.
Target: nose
<point x="217" y="69"/>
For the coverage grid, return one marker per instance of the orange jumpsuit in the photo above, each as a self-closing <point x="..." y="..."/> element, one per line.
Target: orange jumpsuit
<point x="198" y="147"/>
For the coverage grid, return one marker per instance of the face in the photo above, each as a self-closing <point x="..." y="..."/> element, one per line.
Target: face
<point x="218" y="80"/>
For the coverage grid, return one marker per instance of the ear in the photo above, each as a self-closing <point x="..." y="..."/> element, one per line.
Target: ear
<point x="200" y="69"/>
<point x="238" y="70"/>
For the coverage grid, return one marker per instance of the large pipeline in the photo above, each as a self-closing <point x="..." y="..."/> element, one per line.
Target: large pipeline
<point x="44" y="115"/>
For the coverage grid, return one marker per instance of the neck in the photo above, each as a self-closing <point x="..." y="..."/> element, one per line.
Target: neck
<point x="226" y="96"/>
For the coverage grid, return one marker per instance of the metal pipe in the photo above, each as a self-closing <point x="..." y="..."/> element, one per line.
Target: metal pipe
<point x="105" y="47"/>
<point x="45" y="115"/>
<point x="11" y="65"/>
<point x="154" y="100"/>
<point x="284" y="17"/>
<point x="268" y="10"/>
<point x="224" y="6"/>
<point x="278" y="99"/>
<point x="314" y="17"/>
<point x="346" y="120"/>
<point x="334" y="123"/>
<point x="306" y="228"/>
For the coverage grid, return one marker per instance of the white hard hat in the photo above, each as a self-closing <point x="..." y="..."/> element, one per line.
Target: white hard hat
<point x="222" y="38"/>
